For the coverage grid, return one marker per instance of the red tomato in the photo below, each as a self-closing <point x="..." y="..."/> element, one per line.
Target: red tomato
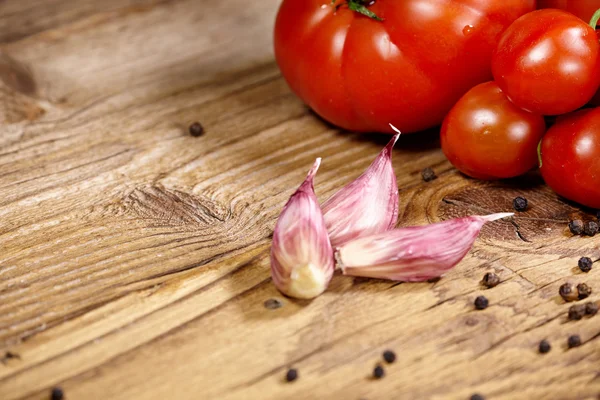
<point x="409" y="70"/>
<point x="486" y="136"/>
<point x="548" y="62"/>
<point x="570" y="155"/>
<point x="584" y="9"/>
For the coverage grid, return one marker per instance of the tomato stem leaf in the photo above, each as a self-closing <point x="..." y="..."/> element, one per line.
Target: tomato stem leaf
<point x="539" y="153"/>
<point x="359" y="7"/>
<point x="594" y="20"/>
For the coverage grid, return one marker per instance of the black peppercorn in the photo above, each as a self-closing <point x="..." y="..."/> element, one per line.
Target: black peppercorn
<point x="574" y="341"/>
<point x="428" y="175"/>
<point x="583" y="290"/>
<point x="389" y="356"/>
<point x="57" y="394"/>
<point x="590" y="228"/>
<point x="544" y="346"/>
<point x="591" y="308"/>
<point x="520" y="203"/>
<point x="576" y="312"/>
<point x="568" y="292"/>
<point x="576" y="227"/>
<point x="490" y="279"/>
<point x="291" y="375"/>
<point x="477" y="396"/>
<point x="585" y="264"/>
<point x="378" y="372"/>
<point x="481" y="303"/>
<point x="196" y="129"/>
<point x="272" y="304"/>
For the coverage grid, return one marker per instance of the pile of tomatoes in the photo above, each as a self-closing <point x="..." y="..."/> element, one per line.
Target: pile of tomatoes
<point x="488" y="71"/>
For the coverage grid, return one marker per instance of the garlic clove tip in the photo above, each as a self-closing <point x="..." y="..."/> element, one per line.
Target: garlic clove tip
<point x="497" y="216"/>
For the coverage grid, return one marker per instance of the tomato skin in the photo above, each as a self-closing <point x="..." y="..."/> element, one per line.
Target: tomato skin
<point x="570" y="154"/>
<point x="409" y="70"/>
<point x="548" y="62"/>
<point x="485" y="136"/>
<point x="583" y="9"/>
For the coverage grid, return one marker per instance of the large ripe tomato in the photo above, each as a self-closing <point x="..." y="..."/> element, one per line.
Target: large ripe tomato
<point x="548" y="62"/>
<point x="408" y="70"/>
<point x="584" y="9"/>
<point x="570" y="156"/>
<point x="486" y="136"/>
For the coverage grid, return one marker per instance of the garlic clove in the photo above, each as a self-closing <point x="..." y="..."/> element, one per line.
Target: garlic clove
<point x="412" y="254"/>
<point x="301" y="254"/>
<point x="367" y="205"/>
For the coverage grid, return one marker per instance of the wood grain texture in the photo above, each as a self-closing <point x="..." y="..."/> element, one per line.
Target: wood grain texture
<point x="134" y="260"/>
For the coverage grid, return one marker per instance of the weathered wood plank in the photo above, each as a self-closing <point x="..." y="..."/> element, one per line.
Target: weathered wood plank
<point x="134" y="253"/>
<point x="22" y="19"/>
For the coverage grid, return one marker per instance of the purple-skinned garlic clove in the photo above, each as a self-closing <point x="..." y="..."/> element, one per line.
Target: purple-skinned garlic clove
<point x="301" y="254"/>
<point x="412" y="254"/>
<point x="366" y="206"/>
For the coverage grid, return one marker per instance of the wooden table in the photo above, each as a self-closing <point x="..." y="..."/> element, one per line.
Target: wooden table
<point x="134" y="260"/>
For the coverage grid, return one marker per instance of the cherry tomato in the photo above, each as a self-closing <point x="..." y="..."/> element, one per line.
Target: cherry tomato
<point x="486" y="136"/>
<point x="584" y="9"/>
<point x="409" y="69"/>
<point x="570" y="157"/>
<point x="548" y="62"/>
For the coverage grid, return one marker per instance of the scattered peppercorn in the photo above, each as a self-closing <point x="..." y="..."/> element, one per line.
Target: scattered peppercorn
<point x="273" y="304"/>
<point x="57" y="394"/>
<point x="389" y="356"/>
<point x="520" y="203"/>
<point x="477" y="396"/>
<point x="574" y="341"/>
<point x="576" y="227"/>
<point x="490" y="279"/>
<point x="428" y="174"/>
<point x="576" y="312"/>
<point x="291" y="375"/>
<point x="481" y="303"/>
<point x="591" y="308"/>
<point x="583" y="290"/>
<point x="590" y="228"/>
<point x="544" y="346"/>
<point x="585" y="264"/>
<point x="196" y="129"/>
<point x="378" y="372"/>
<point x="568" y="292"/>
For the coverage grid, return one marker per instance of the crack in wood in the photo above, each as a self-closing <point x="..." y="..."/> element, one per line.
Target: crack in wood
<point x="517" y="229"/>
<point x="514" y="334"/>
<point x="9" y="355"/>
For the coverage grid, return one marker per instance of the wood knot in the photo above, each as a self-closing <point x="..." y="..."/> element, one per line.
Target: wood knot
<point x="16" y="76"/>
<point x="17" y="88"/>
<point x="161" y="207"/>
<point x="545" y="217"/>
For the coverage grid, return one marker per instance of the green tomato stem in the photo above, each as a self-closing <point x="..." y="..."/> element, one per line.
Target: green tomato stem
<point x="595" y="18"/>
<point x="539" y="153"/>
<point x="358" y="6"/>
